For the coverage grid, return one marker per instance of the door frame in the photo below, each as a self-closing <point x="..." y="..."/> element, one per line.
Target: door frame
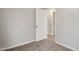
<point x="54" y="24"/>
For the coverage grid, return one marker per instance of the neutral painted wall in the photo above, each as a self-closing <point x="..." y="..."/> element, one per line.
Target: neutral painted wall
<point x="50" y="20"/>
<point x="18" y="26"/>
<point x="67" y="27"/>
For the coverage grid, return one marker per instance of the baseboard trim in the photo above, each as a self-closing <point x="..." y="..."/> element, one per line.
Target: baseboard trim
<point x="10" y="47"/>
<point x="50" y="34"/>
<point x="66" y="46"/>
<point x="41" y="39"/>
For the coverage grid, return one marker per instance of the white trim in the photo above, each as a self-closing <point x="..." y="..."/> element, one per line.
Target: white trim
<point x="16" y="45"/>
<point x="41" y="39"/>
<point x="66" y="46"/>
<point x="50" y="34"/>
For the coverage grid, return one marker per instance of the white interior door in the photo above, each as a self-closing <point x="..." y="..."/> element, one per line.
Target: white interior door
<point x="41" y="24"/>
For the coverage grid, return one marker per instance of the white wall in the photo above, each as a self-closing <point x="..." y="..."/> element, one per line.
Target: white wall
<point x="67" y="27"/>
<point x="18" y="26"/>
<point x="50" y="20"/>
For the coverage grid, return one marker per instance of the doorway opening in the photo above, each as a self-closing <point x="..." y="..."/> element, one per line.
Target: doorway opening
<point x="51" y="24"/>
<point x="45" y="24"/>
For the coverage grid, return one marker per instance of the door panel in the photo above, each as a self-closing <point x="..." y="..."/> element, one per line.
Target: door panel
<point x="41" y="24"/>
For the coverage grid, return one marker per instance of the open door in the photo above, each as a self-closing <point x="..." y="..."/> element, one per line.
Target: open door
<point x="41" y="24"/>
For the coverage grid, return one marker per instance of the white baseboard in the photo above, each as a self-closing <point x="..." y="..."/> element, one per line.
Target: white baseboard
<point x="66" y="46"/>
<point x="50" y="34"/>
<point x="16" y="45"/>
<point x="41" y="39"/>
<point x="33" y="41"/>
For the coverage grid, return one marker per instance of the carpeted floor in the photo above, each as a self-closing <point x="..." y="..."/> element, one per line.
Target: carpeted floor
<point x="43" y="45"/>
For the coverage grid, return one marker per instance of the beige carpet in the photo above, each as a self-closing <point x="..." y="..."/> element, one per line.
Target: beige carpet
<point x="43" y="45"/>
